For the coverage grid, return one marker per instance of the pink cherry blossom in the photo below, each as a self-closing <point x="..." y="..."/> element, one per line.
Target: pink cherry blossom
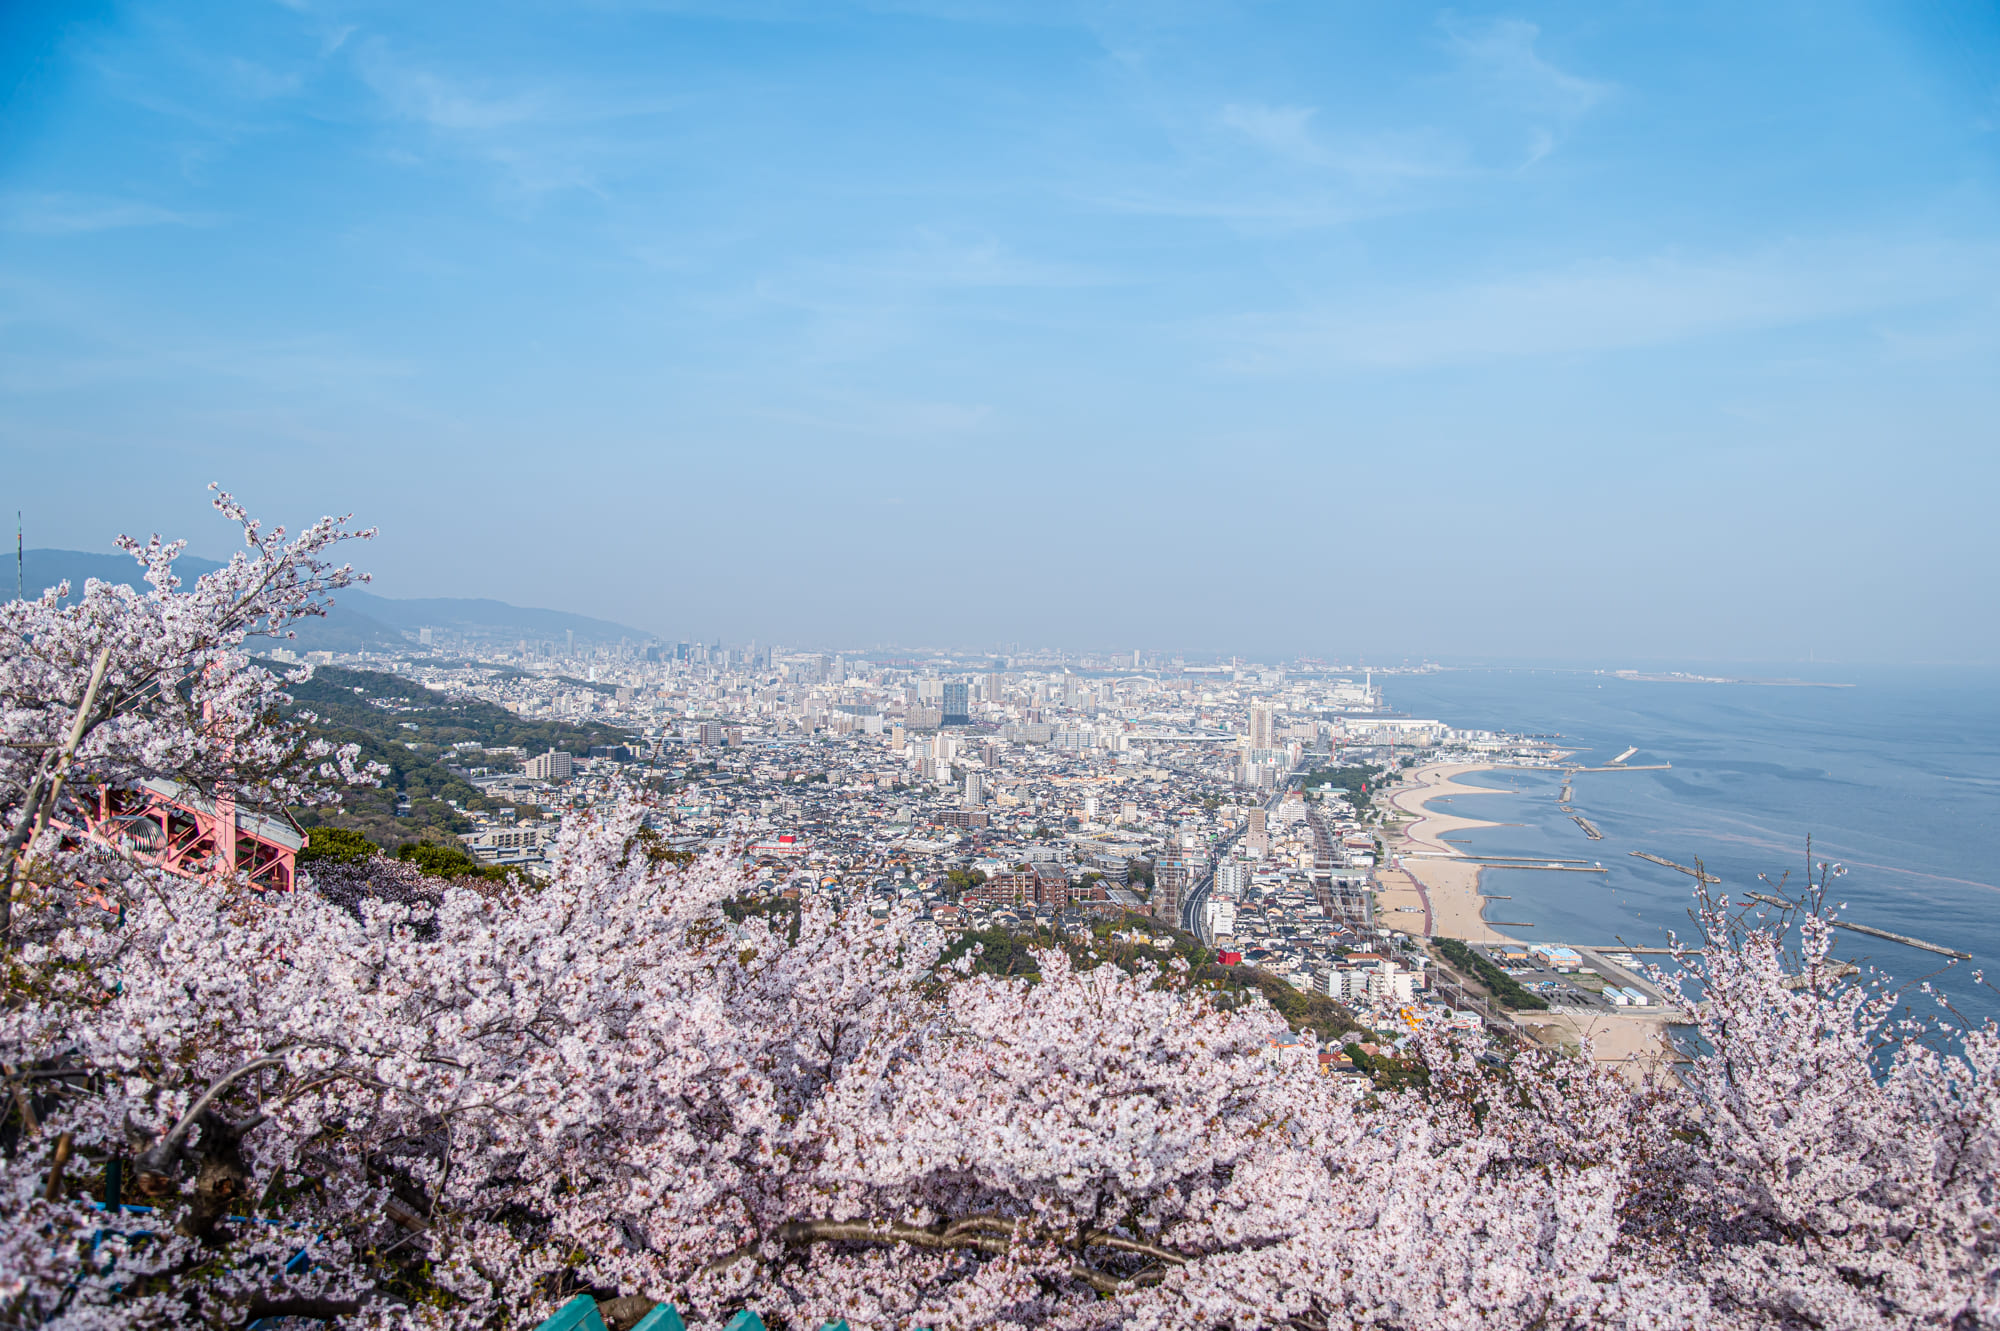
<point x="390" y="1101"/>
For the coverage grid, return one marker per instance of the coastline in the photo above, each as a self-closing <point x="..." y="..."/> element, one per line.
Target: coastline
<point x="1439" y="885"/>
<point x="1446" y="890"/>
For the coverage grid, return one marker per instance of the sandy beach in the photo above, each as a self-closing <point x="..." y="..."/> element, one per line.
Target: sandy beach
<point x="1444" y="891"/>
<point x="1634" y="1045"/>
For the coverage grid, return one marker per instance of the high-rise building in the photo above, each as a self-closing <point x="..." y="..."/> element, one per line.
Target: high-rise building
<point x="1260" y="726"/>
<point x="710" y="734"/>
<point x="1259" y="822"/>
<point x="996" y="683"/>
<point x="1173" y="875"/>
<point x="956" y="704"/>
<point x="975" y="790"/>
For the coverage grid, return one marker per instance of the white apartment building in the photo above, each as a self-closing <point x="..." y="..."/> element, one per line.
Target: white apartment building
<point x="554" y="765"/>
<point x="1382" y="983"/>
<point x="1218" y="919"/>
<point x="1389" y="983"/>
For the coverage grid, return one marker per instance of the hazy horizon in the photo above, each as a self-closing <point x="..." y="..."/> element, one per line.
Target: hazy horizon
<point x="1814" y="669"/>
<point x="1541" y="333"/>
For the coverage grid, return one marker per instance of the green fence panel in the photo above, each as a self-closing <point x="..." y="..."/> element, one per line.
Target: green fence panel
<point x="662" y="1318"/>
<point x="579" y="1314"/>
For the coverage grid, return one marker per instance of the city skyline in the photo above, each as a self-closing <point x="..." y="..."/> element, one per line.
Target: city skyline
<point x="1483" y="333"/>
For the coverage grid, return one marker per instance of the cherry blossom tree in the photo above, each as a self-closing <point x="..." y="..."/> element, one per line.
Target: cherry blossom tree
<point x="1836" y="1163"/>
<point x="385" y="1101"/>
<point x="605" y="1083"/>
<point x="117" y="685"/>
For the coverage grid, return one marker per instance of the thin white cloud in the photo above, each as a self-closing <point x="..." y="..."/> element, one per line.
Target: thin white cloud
<point x="75" y="214"/>
<point x="1372" y="161"/>
<point x="1283" y="130"/>
<point x="871" y="305"/>
<point x="423" y="95"/>
<point x="410" y="90"/>
<point x="1610" y="306"/>
<point x="1534" y="103"/>
<point x="935" y="262"/>
<point x="983" y="13"/>
<point x="1503" y="54"/>
<point x="1298" y="177"/>
<point x="1252" y="209"/>
<point x="260" y="82"/>
<point x="59" y="338"/>
<point x="546" y="136"/>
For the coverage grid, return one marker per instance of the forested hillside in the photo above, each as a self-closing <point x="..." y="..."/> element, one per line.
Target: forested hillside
<point x="411" y="730"/>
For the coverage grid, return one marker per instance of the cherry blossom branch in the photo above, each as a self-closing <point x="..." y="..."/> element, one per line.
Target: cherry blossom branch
<point x="35" y="812"/>
<point x="160" y="1158"/>
<point x="975" y="1233"/>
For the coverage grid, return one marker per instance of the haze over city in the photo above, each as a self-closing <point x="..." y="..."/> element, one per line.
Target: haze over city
<point x="1655" y="331"/>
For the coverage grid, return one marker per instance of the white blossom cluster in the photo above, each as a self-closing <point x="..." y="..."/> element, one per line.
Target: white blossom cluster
<point x="458" y="1107"/>
<point x="109" y="687"/>
<point x="605" y="1083"/>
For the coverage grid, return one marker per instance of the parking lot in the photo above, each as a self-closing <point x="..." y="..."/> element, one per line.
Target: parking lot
<point x="1573" y="977"/>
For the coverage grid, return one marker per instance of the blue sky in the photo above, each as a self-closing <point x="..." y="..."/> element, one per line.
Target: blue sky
<point x="1593" y="331"/>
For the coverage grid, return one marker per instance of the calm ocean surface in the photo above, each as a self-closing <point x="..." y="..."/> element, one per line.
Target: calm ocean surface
<point x="1897" y="777"/>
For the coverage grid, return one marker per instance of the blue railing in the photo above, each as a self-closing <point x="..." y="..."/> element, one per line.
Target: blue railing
<point x="580" y="1314"/>
<point x="297" y="1262"/>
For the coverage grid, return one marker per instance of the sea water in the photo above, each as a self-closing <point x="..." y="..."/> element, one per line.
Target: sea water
<point x="1897" y="777"/>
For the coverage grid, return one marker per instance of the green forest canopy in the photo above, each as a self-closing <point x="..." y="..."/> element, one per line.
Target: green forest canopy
<point x="417" y="759"/>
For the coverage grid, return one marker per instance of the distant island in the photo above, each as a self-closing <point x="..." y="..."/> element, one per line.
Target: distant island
<point x="1683" y="677"/>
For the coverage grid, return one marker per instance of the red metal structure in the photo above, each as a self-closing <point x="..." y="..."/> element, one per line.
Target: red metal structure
<point x="183" y="831"/>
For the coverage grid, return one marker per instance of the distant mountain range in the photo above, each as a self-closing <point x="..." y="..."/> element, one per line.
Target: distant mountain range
<point x="359" y="620"/>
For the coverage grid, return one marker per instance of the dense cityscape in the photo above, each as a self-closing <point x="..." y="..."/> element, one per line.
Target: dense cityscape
<point x="467" y="946"/>
<point x="1141" y="799"/>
